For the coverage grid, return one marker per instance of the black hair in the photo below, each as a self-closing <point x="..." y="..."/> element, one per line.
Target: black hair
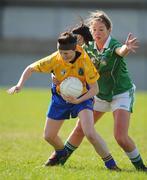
<point x="67" y="41"/>
<point x="84" y="31"/>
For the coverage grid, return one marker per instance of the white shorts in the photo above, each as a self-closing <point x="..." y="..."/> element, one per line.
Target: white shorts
<point x="121" y="101"/>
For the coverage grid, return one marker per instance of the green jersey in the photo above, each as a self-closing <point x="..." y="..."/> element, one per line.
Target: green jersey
<point x="114" y="77"/>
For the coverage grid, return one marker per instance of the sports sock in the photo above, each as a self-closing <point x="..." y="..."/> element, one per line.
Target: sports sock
<point x="109" y="161"/>
<point x="64" y="153"/>
<point x="69" y="147"/>
<point x="135" y="158"/>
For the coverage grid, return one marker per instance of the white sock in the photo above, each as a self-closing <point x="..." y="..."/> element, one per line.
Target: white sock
<point x="133" y="154"/>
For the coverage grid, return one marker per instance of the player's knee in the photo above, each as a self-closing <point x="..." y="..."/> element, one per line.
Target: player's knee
<point x="90" y="136"/>
<point x="48" y="137"/>
<point x="45" y="137"/>
<point x="121" y="139"/>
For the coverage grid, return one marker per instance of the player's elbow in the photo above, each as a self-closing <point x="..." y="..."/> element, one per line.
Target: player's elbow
<point x="30" y="69"/>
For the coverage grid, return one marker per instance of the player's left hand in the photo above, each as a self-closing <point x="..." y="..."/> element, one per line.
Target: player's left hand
<point x="131" y="43"/>
<point x="70" y="99"/>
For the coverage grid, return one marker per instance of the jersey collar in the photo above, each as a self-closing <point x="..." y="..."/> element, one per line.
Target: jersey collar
<point x="106" y="45"/>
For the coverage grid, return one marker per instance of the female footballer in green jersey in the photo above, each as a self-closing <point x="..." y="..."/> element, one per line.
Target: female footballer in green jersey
<point x="116" y="90"/>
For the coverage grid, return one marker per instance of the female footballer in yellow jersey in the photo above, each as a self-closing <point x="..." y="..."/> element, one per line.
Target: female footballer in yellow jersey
<point x="69" y="60"/>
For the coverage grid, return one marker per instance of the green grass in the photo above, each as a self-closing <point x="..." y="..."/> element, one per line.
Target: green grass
<point x="23" y="150"/>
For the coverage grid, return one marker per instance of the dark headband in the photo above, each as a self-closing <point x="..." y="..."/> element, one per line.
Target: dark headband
<point x="68" y="46"/>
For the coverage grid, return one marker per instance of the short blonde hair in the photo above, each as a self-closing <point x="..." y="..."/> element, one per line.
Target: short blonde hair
<point x="99" y="16"/>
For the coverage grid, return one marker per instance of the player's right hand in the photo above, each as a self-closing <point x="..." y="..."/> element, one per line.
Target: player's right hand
<point x="14" y="89"/>
<point x="55" y="81"/>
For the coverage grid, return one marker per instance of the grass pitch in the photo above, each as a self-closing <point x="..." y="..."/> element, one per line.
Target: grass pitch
<point x="23" y="150"/>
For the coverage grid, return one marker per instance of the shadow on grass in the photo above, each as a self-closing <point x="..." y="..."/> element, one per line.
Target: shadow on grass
<point x="77" y="167"/>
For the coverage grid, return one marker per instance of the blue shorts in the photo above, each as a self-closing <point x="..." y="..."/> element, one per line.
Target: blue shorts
<point x="59" y="109"/>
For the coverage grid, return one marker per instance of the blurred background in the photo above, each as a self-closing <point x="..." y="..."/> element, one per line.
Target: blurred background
<point x="29" y="30"/>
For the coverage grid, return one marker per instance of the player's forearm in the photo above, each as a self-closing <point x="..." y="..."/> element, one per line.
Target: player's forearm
<point x="25" y="76"/>
<point x="122" y="51"/>
<point x="91" y="92"/>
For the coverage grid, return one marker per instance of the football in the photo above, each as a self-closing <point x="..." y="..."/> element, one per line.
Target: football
<point x="71" y="86"/>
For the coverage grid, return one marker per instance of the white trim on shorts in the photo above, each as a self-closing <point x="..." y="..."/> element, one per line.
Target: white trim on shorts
<point x="121" y="101"/>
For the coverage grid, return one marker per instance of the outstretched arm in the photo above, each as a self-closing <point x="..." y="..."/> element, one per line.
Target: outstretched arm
<point x="25" y="75"/>
<point x="131" y="44"/>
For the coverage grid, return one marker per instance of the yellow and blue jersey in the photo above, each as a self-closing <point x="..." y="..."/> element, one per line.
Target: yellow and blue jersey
<point x="82" y="68"/>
